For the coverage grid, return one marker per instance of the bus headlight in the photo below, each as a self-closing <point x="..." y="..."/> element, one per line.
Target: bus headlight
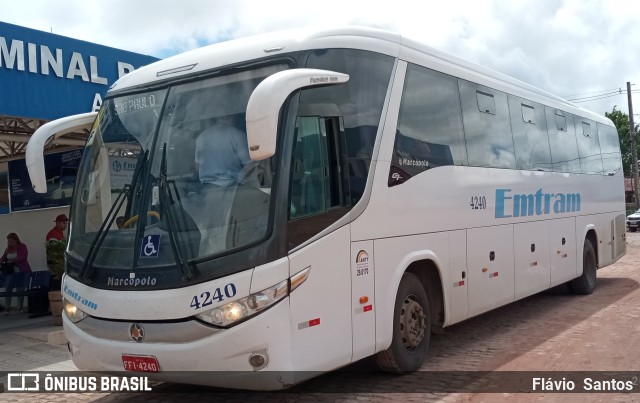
<point x="243" y="308"/>
<point x="73" y="312"/>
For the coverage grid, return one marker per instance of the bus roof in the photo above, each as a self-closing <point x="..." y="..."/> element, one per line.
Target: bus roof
<point x="255" y="47"/>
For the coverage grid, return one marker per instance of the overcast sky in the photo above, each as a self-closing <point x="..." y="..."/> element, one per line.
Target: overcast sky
<point x="572" y="48"/>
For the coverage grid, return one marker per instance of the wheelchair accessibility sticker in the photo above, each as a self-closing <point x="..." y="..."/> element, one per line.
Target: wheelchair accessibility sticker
<point x="150" y="246"/>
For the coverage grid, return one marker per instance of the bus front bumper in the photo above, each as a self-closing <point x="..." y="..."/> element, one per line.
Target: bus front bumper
<point x="221" y="359"/>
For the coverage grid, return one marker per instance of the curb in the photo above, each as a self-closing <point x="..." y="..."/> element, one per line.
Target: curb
<point x="47" y="335"/>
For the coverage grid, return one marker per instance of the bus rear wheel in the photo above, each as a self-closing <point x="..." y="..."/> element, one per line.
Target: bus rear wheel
<point x="411" y="328"/>
<point x="586" y="283"/>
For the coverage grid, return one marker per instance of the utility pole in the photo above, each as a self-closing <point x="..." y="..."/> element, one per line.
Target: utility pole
<point x="634" y="149"/>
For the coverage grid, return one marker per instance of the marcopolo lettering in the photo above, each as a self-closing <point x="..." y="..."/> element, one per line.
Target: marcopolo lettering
<point x="133" y="282"/>
<point x="411" y="162"/>
<point x="80" y="298"/>
<point x="534" y="204"/>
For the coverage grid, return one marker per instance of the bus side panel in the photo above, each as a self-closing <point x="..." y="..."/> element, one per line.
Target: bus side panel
<point x="491" y="272"/>
<point x="458" y="308"/>
<point x="620" y="236"/>
<point x="617" y="242"/>
<point x="562" y="244"/>
<point x="531" y="250"/>
<point x="601" y="224"/>
<point x="605" y="257"/>
<point x="321" y="306"/>
<point x="362" y="298"/>
<point x="611" y="244"/>
<point x="392" y="257"/>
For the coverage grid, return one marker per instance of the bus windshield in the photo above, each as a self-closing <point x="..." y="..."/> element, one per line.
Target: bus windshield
<point x="166" y="177"/>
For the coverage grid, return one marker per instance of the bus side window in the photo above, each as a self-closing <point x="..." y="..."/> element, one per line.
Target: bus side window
<point x="317" y="197"/>
<point x="610" y="146"/>
<point x="562" y="138"/>
<point x="310" y="160"/>
<point x="530" y="137"/>
<point x="487" y="133"/>
<point x="335" y="138"/>
<point x="429" y="131"/>
<point x="588" y="146"/>
<point x="360" y="102"/>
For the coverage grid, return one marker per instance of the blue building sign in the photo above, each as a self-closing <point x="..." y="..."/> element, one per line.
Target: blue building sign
<point x="47" y="76"/>
<point x="61" y="170"/>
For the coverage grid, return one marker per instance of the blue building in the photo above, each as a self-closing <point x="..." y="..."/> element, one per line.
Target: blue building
<point x="44" y="76"/>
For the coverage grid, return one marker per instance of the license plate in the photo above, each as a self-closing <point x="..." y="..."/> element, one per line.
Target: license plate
<point x="140" y="363"/>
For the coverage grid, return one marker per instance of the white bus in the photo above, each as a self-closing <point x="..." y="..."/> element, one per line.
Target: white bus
<point x="278" y="206"/>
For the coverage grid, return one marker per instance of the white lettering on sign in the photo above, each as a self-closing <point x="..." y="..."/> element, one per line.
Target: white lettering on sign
<point x="77" y="67"/>
<point x="33" y="61"/>
<point x="135" y="104"/>
<point x="95" y="77"/>
<point x="97" y="102"/>
<point x="12" y="57"/>
<point x="48" y="60"/>
<point x="124" y="68"/>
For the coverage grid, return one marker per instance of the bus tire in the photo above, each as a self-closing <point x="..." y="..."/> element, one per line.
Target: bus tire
<point x="586" y="283"/>
<point x="411" y="328"/>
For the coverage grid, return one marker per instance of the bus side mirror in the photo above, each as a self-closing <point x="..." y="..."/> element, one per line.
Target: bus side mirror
<point x="266" y="100"/>
<point x="35" y="147"/>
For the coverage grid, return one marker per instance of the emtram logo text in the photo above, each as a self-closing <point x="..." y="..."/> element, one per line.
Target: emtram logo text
<point x="533" y="204"/>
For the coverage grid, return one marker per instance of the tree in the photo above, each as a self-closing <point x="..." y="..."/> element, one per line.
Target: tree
<point x="621" y="120"/>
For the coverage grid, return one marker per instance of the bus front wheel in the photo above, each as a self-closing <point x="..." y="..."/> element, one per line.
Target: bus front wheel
<point x="411" y="328"/>
<point x="586" y="283"/>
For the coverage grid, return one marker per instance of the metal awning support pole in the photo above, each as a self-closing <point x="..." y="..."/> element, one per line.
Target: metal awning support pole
<point x="634" y="148"/>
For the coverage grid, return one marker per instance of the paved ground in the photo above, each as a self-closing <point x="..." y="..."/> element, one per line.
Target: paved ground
<point x="553" y="331"/>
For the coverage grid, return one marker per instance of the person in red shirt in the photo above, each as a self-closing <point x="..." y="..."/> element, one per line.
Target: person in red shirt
<point x="57" y="232"/>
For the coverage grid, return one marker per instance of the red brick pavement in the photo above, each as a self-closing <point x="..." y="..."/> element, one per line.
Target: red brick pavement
<point x="552" y="331"/>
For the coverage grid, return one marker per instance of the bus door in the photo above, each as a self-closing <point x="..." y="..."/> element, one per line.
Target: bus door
<point x="320" y="308"/>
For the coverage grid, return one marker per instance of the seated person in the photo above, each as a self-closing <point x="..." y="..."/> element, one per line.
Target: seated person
<point x="222" y="154"/>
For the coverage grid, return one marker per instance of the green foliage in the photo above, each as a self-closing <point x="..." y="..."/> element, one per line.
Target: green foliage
<point x="621" y="120"/>
<point x="55" y="257"/>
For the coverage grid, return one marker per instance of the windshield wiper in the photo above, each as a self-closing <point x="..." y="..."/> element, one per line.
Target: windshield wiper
<point x="166" y="201"/>
<point x="102" y="231"/>
<point x="126" y="192"/>
<point x="136" y="175"/>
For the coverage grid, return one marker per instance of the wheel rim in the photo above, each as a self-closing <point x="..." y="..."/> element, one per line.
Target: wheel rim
<point x="412" y="323"/>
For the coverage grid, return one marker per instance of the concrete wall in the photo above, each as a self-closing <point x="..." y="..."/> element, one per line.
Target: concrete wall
<point x="32" y="227"/>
